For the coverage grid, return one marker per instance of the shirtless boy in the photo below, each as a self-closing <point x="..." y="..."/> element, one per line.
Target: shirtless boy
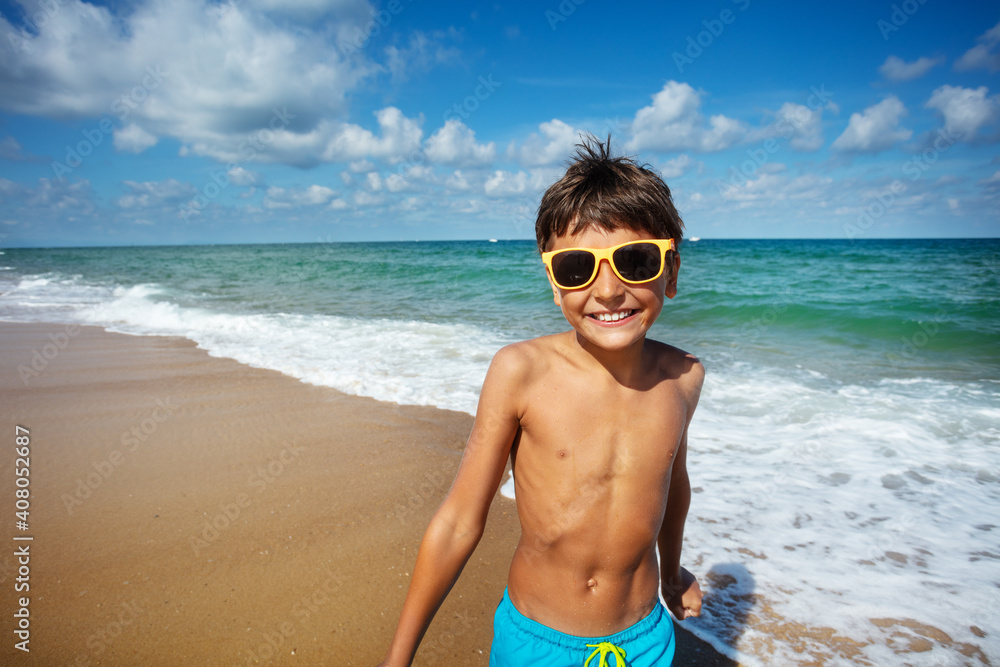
<point x="595" y="423"/>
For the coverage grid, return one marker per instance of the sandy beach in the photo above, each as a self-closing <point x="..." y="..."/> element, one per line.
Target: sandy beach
<point x="187" y="509"/>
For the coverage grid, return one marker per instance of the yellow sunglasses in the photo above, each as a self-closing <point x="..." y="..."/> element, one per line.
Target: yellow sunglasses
<point x="634" y="262"/>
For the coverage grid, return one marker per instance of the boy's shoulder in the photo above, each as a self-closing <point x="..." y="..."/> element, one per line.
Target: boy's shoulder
<point x="533" y="354"/>
<point x="534" y="359"/>
<point x="674" y="358"/>
<point x="676" y="364"/>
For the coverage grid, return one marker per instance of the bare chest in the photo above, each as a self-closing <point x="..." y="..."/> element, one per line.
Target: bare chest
<point x="593" y="436"/>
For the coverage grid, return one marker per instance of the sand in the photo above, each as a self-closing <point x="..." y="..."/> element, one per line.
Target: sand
<point x="192" y="510"/>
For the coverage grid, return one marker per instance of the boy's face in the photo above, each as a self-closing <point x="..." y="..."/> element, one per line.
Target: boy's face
<point x="608" y="312"/>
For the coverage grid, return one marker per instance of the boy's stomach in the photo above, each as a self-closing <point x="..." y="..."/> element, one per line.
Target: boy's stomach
<point x="580" y="591"/>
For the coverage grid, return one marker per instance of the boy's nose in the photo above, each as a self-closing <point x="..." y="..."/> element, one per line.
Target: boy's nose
<point x="607" y="285"/>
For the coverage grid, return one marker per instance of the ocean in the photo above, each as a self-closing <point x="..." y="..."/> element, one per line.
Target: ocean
<point x="845" y="456"/>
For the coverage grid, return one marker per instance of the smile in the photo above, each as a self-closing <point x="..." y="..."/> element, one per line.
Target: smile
<point x="613" y="317"/>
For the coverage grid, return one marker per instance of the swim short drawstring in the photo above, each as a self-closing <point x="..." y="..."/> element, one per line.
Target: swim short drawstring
<point x="604" y="648"/>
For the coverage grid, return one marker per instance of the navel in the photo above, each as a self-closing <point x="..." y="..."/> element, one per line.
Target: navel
<point x="592" y="583"/>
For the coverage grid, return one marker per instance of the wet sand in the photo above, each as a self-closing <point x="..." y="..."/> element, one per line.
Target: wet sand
<point x="187" y="509"/>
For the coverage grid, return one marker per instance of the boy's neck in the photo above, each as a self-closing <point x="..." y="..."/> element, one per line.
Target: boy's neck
<point x="625" y="366"/>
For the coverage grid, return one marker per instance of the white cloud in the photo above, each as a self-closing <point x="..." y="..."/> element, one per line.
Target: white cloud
<point x="9" y="189"/>
<point x="555" y="143"/>
<point x="801" y="125"/>
<point x="673" y="122"/>
<point x="983" y="55"/>
<point x="155" y="193"/>
<point x="362" y="198"/>
<point x="505" y="183"/>
<point x="423" y="53"/>
<point x="455" y="144"/>
<point x="63" y="197"/>
<point x="675" y="167"/>
<point x="896" y="69"/>
<point x="965" y="110"/>
<point x="374" y="181"/>
<point x="396" y="183"/>
<point x="208" y="74"/>
<point x="457" y="181"/>
<point x="133" y="139"/>
<point x="991" y="182"/>
<point x="420" y="172"/>
<point x="244" y="177"/>
<point x="400" y="137"/>
<point x="11" y="149"/>
<point x="310" y="10"/>
<point x="71" y="199"/>
<point x="776" y="186"/>
<point x="282" y="198"/>
<point x="874" y="129"/>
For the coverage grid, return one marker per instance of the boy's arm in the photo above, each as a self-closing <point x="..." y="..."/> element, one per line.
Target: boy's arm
<point x="458" y="524"/>
<point x="680" y="588"/>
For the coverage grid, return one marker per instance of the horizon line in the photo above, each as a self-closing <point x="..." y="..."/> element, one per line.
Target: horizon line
<point x="690" y="239"/>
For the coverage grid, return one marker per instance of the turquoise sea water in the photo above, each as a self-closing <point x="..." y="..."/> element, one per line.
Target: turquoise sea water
<point x="846" y="454"/>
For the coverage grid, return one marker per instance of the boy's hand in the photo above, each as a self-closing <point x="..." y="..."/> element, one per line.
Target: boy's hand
<point x="683" y="595"/>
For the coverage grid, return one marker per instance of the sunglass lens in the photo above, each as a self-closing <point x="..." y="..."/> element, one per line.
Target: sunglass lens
<point x="638" y="262"/>
<point x="572" y="268"/>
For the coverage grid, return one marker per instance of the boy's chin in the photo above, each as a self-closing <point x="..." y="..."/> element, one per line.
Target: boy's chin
<point x="612" y="339"/>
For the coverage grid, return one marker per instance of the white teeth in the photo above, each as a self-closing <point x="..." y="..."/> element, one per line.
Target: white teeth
<point x="613" y="317"/>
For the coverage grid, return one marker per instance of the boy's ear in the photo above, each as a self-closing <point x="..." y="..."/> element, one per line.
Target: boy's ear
<point x="555" y="290"/>
<point x="672" y="280"/>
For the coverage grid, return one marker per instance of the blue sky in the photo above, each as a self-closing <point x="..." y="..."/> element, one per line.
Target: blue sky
<point x="187" y="121"/>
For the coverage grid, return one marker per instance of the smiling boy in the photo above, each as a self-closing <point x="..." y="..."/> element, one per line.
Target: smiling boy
<point x="595" y="422"/>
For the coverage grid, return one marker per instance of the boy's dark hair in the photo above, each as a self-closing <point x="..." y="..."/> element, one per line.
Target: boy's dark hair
<point x="608" y="193"/>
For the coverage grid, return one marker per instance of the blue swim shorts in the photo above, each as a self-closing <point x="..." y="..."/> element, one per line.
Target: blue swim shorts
<point x="519" y="641"/>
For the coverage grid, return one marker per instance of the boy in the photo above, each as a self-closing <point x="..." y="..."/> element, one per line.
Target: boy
<point x="595" y="423"/>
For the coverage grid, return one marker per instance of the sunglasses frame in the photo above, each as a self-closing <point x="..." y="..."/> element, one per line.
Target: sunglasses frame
<point x="601" y="254"/>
